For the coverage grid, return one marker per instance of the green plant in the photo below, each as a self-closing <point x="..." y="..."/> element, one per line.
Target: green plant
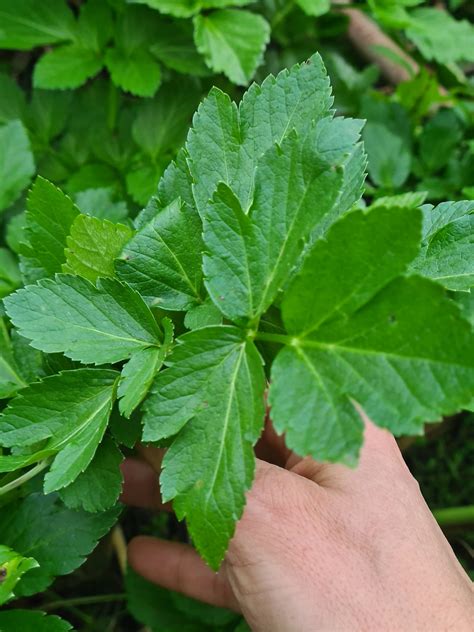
<point x="257" y="237"/>
<point x="261" y="257"/>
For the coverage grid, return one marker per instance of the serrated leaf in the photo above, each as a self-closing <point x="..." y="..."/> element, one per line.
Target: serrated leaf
<point x="140" y="371"/>
<point x="138" y="72"/>
<point x="29" y="23"/>
<point x="66" y="67"/>
<point x="59" y="538"/>
<point x="402" y="200"/>
<point x="93" y="245"/>
<point x="49" y="217"/>
<point x="447" y="253"/>
<point x="163" y="260"/>
<point x="212" y="394"/>
<point x="31" y="621"/>
<point x="238" y="137"/>
<point x="94" y="324"/>
<point x="48" y="113"/>
<point x="12" y="567"/>
<point x="249" y="257"/>
<point x="99" y="486"/>
<point x="367" y="339"/>
<point x="17" y="164"/>
<point x="70" y="412"/>
<point x="232" y="42"/>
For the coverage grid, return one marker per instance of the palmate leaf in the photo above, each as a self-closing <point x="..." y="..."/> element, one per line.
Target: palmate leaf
<point x="69" y="412"/>
<point x="94" y="324"/>
<point x="31" y="621"/>
<point x="373" y="337"/>
<point x="212" y="396"/>
<point x="163" y="260"/>
<point x="447" y="253"/>
<point x="297" y="186"/>
<point x="59" y="538"/>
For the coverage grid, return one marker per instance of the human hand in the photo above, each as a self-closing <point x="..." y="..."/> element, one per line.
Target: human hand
<point x="319" y="547"/>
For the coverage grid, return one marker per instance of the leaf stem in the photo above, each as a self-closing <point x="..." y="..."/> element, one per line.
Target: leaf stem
<point x="455" y="516"/>
<point x="39" y="467"/>
<point x="83" y="601"/>
<point x="282" y="339"/>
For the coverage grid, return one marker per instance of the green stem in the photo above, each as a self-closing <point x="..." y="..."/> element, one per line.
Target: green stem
<point x="39" y="467"/>
<point x="455" y="516"/>
<point x="282" y="339"/>
<point x="84" y="601"/>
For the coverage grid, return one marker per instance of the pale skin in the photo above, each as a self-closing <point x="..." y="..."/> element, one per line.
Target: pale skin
<point x="320" y="547"/>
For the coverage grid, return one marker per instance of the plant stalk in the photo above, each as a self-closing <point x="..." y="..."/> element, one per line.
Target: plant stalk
<point x="455" y="516"/>
<point x="39" y="467"/>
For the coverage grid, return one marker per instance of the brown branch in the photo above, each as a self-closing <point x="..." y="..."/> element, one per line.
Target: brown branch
<point x="365" y="34"/>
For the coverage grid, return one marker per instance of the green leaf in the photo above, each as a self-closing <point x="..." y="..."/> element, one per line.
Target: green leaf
<point x="132" y="67"/>
<point x="31" y="621"/>
<point x="161" y="124"/>
<point x="12" y="100"/>
<point x="49" y="217"/>
<point x="387" y="140"/>
<point x="93" y="246"/>
<point x="176" y="49"/>
<point x="11" y="379"/>
<point x="99" y="486"/>
<point x="137" y="72"/>
<point x="249" y="257"/>
<point x="367" y="339"/>
<point x="212" y="394"/>
<point x="232" y="42"/>
<point x="66" y="67"/>
<point x="29" y="23"/>
<point x="17" y="164"/>
<point x="163" y="260"/>
<point x="440" y="37"/>
<point x="100" y="203"/>
<point x="140" y="371"/>
<point x="95" y="25"/>
<point x="203" y="315"/>
<point x="439" y="139"/>
<point x="48" y="114"/>
<point x="12" y="567"/>
<point x="59" y="538"/>
<point x="161" y="609"/>
<point x="314" y="7"/>
<point x="94" y="324"/>
<point x="447" y="253"/>
<point x="10" y="278"/>
<point x="402" y="200"/>
<point x="187" y="8"/>
<point x="70" y="411"/>
<point x="225" y="143"/>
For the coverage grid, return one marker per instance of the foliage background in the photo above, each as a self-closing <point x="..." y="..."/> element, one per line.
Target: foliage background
<point x="97" y="97"/>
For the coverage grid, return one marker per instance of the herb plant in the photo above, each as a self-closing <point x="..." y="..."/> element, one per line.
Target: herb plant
<point x="285" y="258"/>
